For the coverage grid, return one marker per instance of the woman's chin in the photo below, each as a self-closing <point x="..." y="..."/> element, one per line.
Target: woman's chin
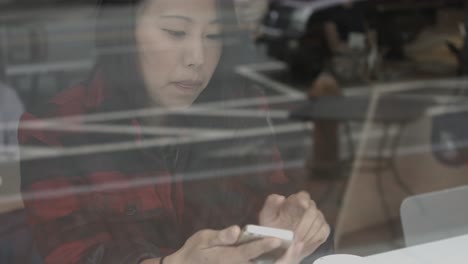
<point x="178" y="103"/>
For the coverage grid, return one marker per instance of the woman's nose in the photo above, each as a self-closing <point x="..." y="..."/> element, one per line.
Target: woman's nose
<point x="194" y="53"/>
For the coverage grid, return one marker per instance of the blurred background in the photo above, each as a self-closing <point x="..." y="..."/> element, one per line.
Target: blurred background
<point x="367" y="98"/>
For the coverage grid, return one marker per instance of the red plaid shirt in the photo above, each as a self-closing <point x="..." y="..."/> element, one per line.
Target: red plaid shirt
<point x="128" y="205"/>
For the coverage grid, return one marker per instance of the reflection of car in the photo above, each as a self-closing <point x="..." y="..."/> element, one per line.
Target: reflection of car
<point x="292" y="29"/>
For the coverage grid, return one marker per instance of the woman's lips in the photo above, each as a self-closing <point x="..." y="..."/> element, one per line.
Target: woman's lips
<point x="188" y="86"/>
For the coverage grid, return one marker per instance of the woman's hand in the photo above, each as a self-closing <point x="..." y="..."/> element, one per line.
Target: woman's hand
<point x="212" y="246"/>
<point x="300" y="214"/>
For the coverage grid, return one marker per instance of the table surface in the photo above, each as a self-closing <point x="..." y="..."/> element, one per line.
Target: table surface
<point x="447" y="251"/>
<point x="391" y="108"/>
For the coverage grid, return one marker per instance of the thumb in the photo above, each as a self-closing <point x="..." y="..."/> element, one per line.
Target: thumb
<point x="225" y="237"/>
<point x="271" y="207"/>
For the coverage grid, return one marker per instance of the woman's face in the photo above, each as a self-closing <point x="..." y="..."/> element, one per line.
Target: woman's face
<point x="179" y="44"/>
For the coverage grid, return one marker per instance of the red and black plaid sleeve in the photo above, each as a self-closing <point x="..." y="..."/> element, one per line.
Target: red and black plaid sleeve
<point x="65" y="208"/>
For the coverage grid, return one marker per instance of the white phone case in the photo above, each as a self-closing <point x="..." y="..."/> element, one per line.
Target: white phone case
<point x="254" y="232"/>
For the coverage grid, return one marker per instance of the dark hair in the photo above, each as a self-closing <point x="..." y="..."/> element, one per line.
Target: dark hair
<point x="117" y="55"/>
<point x="117" y="60"/>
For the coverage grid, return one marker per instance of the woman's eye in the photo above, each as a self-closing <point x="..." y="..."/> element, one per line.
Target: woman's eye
<point x="214" y="36"/>
<point x="175" y="33"/>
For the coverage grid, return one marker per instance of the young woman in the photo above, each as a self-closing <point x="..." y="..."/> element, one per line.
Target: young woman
<point x="147" y="194"/>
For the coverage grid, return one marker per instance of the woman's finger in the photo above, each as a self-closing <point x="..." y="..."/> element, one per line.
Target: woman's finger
<point x="292" y="211"/>
<point x="318" y="238"/>
<point x="271" y="208"/>
<point x="303" y="229"/>
<point x="254" y="249"/>
<point x="212" y="238"/>
<point x="292" y="255"/>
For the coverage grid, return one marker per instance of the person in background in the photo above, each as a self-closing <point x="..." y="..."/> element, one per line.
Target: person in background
<point x="346" y="28"/>
<point x="128" y="197"/>
<point x="351" y="46"/>
<point x="15" y="239"/>
<point x="11" y="109"/>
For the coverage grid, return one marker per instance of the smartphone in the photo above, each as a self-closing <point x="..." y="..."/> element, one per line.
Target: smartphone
<point x="254" y="232"/>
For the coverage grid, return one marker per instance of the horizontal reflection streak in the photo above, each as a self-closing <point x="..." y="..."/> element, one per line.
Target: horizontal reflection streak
<point x="235" y="103"/>
<point x="224" y="172"/>
<point x="118" y="129"/>
<point x="119" y="115"/>
<point x="149" y="143"/>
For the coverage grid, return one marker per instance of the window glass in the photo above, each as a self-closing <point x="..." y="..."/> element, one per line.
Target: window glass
<point x="162" y="131"/>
